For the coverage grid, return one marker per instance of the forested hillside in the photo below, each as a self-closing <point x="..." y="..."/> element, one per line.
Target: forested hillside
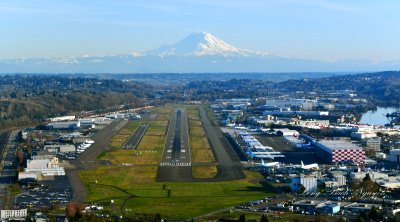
<point x="35" y="97"/>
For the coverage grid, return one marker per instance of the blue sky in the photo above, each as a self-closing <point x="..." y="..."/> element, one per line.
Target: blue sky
<point x="327" y="30"/>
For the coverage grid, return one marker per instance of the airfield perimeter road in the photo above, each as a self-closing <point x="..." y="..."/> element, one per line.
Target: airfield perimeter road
<point x="135" y="138"/>
<point x="87" y="159"/>
<point x="228" y="163"/>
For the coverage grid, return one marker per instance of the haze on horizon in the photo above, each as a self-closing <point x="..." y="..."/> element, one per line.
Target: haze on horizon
<point x="314" y="29"/>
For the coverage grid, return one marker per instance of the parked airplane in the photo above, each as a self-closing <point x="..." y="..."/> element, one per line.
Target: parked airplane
<point x="267" y="165"/>
<point x="89" y="141"/>
<point x="85" y="145"/>
<point x="309" y="166"/>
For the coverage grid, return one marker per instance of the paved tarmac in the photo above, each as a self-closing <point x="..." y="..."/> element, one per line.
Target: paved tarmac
<point x="292" y="155"/>
<point x="176" y="149"/>
<point x="135" y="138"/>
<point x="228" y="163"/>
<point x="87" y="160"/>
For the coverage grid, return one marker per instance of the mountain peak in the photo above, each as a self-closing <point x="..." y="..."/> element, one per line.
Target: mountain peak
<point x="200" y="44"/>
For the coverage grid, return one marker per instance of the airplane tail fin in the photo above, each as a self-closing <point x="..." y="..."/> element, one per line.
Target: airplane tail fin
<point x="262" y="162"/>
<point x="302" y="164"/>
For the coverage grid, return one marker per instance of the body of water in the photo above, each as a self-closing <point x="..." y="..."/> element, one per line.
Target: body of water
<point x="377" y="117"/>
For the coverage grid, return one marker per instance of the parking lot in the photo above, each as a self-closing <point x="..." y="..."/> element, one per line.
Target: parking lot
<point x="46" y="194"/>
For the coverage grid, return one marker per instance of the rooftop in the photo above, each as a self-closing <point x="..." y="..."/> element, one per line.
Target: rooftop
<point x="339" y="145"/>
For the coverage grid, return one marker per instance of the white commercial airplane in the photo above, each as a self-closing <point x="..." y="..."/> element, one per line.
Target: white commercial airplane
<point x="267" y="165"/>
<point x="309" y="166"/>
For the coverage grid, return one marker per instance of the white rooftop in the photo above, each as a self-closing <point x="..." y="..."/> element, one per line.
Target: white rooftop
<point x="339" y="145"/>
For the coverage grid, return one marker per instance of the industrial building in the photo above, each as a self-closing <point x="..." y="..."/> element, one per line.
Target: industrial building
<point x="337" y="151"/>
<point x="309" y="183"/>
<point x="62" y="118"/>
<point x="236" y="101"/>
<point x="14" y="214"/>
<point x="116" y="116"/>
<point x="87" y="123"/>
<point x="64" y="125"/>
<point x="362" y="207"/>
<point x="389" y="182"/>
<point x="59" y="148"/>
<point x="338" y="179"/>
<point x="361" y="135"/>
<point x="40" y="167"/>
<point x="305" y="104"/>
<point x="328" y="208"/>
<point x="299" y="113"/>
<point x="319" y="206"/>
<point x="373" y="144"/>
<point x="374" y="175"/>
<point x="394" y="156"/>
<point x="316" y="124"/>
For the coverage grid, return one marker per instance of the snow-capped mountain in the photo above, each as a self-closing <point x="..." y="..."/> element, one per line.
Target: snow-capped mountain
<point x="201" y="44"/>
<point x="196" y="53"/>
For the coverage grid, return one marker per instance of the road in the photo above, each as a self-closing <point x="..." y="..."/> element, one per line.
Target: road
<point x="87" y="160"/>
<point x="8" y="166"/>
<point x="135" y="138"/>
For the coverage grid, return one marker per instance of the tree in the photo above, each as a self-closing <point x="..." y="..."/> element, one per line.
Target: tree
<point x="360" y="219"/>
<point x="367" y="178"/>
<point x="20" y="156"/>
<point x="71" y="210"/>
<point x="242" y="218"/>
<point x="301" y="189"/>
<point x="264" y="218"/>
<point x="321" y="187"/>
<point x="157" y="218"/>
<point x="369" y="185"/>
<point x="373" y="214"/>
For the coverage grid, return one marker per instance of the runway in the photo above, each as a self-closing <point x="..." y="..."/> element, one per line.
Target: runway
<point x="176" y="149"/>
<point x="228" y="163"/>
<point x="135" y="138"/>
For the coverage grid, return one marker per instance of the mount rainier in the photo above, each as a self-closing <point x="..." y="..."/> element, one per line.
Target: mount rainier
<point x="197" y="53"/>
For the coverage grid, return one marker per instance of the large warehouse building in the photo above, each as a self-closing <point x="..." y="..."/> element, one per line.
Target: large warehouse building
<point x="394" y="156"/>
<point x="337" y="151"/>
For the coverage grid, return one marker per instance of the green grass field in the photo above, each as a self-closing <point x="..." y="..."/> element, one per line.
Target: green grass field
<point x="118" y="140"/>
<point x="200" y="149"/>
<point x="134" y="189"/>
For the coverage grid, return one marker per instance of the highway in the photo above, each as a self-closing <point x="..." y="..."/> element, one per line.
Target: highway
<point x="135" y="138"/>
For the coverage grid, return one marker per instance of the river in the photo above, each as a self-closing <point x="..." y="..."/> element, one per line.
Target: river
<point x="378" y="116"/>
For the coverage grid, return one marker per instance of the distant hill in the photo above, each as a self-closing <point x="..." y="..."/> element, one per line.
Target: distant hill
<point x="32" y="98"/>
